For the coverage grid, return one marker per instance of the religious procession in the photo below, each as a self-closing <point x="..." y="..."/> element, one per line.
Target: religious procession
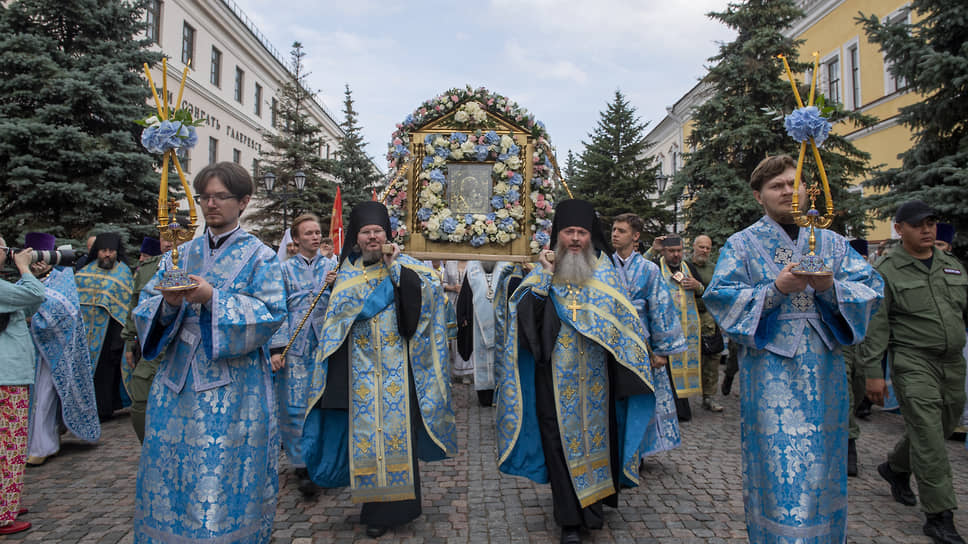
<point x="487" y="349"/>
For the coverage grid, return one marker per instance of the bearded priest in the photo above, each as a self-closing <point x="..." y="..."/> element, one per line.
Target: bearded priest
<point x="576" y="368"/>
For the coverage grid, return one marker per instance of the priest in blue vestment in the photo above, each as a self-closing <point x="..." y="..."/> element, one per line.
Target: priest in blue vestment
<point x="63" y="390"/>
<point x="574" y="393"/>
<point x="104" y="288"/>
<point x="305" y="274"/>
<point x="379" y="396"/>
<point x="644" y="285"/>
<point x="209" y="463"/>
<point x="790" y="330"/>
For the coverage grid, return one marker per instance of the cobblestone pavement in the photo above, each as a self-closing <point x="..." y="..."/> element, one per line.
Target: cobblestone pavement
<point x="692" y="494"/>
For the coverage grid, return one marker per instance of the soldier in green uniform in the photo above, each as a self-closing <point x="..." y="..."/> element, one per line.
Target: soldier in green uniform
<point x="137" y="372"/>
<point x="921" y="324"/>
<point x="702" y="268"/>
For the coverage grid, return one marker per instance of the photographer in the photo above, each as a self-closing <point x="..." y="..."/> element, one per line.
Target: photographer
<point x="17" y="300"/>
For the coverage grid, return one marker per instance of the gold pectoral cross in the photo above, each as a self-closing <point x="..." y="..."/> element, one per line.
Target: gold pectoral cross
<point x="574" y="306"/>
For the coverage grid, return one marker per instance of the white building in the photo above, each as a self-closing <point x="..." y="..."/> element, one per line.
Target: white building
<point x="233" y="78"/>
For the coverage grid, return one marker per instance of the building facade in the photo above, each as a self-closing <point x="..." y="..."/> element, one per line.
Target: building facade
<point x="234" y="77"/>
<point x="852" y="72"/>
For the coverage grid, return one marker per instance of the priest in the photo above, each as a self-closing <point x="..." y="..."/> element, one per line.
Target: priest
<point x="576" y="369"/>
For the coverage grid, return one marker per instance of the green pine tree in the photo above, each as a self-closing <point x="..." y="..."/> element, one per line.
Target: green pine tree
<point x="931" y="56"/>
<point x="71" y="86"/>
<point x="739" y="125"/>
<point x="296" y="146"/>
<point x="613" y="173"/>
<point x="353" y="166"/>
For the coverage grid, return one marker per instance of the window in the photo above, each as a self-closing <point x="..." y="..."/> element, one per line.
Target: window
<point x="275" y="107"/>
<point x="212" y="150"/>
<point x="239" y="82"/>
<point x="832" y="75"/>
<point x="854" y="55"/>
<point x="188" y="44"/>
<point x="236" y="156"/>
<point x="185" y="159"/>
<point x="892" y="83"/>
<point x="216" y="75"/>
<point x="153" y="21"/>
<point x="258" y="100"/>
<point x="255" y="169"/>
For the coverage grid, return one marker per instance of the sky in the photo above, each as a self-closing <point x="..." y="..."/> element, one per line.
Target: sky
<point x="563" y="60"/>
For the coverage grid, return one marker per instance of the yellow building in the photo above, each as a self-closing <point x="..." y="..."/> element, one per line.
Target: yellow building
<point x="853" y="72"/>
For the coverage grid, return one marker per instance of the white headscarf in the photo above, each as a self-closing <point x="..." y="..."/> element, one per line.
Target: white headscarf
<point x="286" y="240"/>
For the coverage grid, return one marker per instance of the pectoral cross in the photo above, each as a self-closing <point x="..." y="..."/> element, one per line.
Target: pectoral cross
<point x="574" y="306"/>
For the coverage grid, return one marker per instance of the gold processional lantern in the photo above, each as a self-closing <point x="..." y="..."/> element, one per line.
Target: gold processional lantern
<point x="807" y="126"/>
<point x="473" y="178"/>
<point x="171" y="129"/>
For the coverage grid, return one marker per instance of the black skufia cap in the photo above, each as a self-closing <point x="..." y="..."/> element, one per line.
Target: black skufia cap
<point x="366" y="213"/>
<point x="579" y="213"/>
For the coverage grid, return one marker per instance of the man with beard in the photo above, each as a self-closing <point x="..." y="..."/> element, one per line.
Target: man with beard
<point x="137" y="372"/>
<point x="63" y="390"/>
<point x="380" y="389"/>
<point x="104" y="287"/>
<point x="684" y="366"/>
<point x="209" y="463"/>
<point x="576" y="368"/>
<point x="481" y="296"/>
<point x="702" y="270"/>
<point x="921" y="327"/>
<point x="793" y="403"/>
<point x="304" y="275"/>
<point x="643" y="284"/>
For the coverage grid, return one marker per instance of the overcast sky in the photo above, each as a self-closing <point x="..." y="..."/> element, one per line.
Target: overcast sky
<point x="563" y="60"/>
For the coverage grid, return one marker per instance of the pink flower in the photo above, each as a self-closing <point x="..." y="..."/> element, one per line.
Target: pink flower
<point x="397" y="141"/>
<point x="490" y="102"/>
<point x="393" y="163"/>
<point x="481" y="140"/>
<point x="454" y="97"/>
<point x="399" y="125"/>
<point x="438" y="107"/>
<point x="540" y="197"/>
<point x="508" y="174"/>
<point x="403" y="194"/>
<point x="423" y="111"/>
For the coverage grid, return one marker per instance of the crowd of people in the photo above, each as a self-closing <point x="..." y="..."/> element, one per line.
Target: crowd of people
<point x="588" y="357"/>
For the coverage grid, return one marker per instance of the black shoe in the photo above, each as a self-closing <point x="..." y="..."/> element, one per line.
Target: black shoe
<point x="727" y="384"/>
<point x="863" y="410"/>
<point x="941" y="528"/>
<point x="851" y="457"/>
<point x="900" y="484"/>
<point x="375" y="531"/>
<point x="570" y="535"/>
<point x="683" y="410"/>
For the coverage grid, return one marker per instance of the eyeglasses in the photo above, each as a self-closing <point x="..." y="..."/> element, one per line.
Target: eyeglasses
<point x="371" y="232"/>
<point x="217" y="197"/>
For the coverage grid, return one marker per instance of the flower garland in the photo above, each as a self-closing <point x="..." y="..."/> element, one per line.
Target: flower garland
<point x="503" y="223"/>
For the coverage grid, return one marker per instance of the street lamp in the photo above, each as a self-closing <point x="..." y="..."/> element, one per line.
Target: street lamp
<point x="298" y="178"/>
<point x="662" y="183"/>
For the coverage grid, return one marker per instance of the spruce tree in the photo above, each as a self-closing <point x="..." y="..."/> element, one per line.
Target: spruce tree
<point x="613" y="172"/>
<point x="741" y="123"/>
<point x="353" y="166"/>
<point x="71" y="86"/>
<point x="932" y="57"/>
<point x="294" y="147"/>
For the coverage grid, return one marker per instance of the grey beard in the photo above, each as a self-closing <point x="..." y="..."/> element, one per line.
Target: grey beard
<point x="371" y="256"/>
<point x="574" y="268"/>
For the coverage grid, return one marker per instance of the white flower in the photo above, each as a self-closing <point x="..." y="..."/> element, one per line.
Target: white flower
<point x="436" y="186"/>
<point x="506" y="143"/>
<point x="467" y="147"/>
<point x="438" y="161"/>
<point x="433" y="224"/>
<point x="491" y="229"/>
<point x="440" y="141"/>
<point x="478" y="228"/>
<point x="424" y="175"/>
<point x="479" y="217"/>
<point x="501" y="188"/>
<point x="502" y="213"/>
<point x="457" y="154"/>
<point x="534" y="246"/>
<point x="152" y="121"/>
<point x="454" y="237"/>
<point x="445" y="213"/>
<point x="480" y="116"/>
<point x="461" y="117"/>
<point x="498" y="167"/>
<point x="503" y="237"/>
<point x="517" y="212"/>
<point x="460" y="230"/>
<point x="513" y="162"/>
<point x="434" y="235"/>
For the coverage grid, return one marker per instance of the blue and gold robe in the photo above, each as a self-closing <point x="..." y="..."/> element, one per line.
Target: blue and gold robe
<point x="104" y="296"/>
<point x="646" y="288"/>
<point x="792" y="381"/>
<point x="685" y="366"/>
<point x="391" y="381"/>
<point x="209" y="463"/>
<point x="303" y="281"/>
<point x="60" y="340"/>
<point x="600" y="336"/>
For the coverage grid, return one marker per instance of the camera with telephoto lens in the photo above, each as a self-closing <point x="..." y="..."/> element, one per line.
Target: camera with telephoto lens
<point x="58" y="257"/>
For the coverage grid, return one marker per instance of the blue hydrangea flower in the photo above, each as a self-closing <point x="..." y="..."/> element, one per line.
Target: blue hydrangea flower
<point x="513" y="195"/>
<point x="480" y="152"/>
<point x="492" y="138"/>
<point x="516" y="179"/>
<point x="490" y="216"/>
<point x="497" y="202"/>
<point x="542" y="238"/>
<point x="437" y="175"/>
<point x="429" y="139"/>
<point x="188" y="136"/>
<point x="443" y="152"/>
<point x="448" y="225"/>
<point x="161" y="137"/>
<point x="427" y="162"/>
<point x="469" y="219"/>
<point x="458" y="137"/>
<point x="479" y="240"/>
<point x="408" y="120"/>
<point x="502" y="157"/>
<point x="506" y="224"/>
<point x="806" y="123"/>
<point x="540" y="125"/>
<point x="394" y="222"/>
<point x="400" y="150"/>
<point x="514" y="149"/>
<point x="424" y="214"/>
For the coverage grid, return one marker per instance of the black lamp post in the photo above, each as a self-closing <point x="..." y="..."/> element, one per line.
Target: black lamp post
<point x="298" y="178"/>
